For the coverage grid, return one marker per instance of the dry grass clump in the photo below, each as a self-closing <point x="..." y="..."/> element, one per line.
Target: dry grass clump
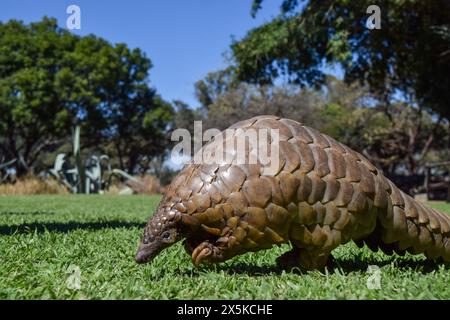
<point x="149" y="185"/>
<point x="115" y="189"/>
<point x="30" y="185"/>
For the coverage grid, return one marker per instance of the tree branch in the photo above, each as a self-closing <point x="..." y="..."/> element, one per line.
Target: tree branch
<point x="430" y="139"/>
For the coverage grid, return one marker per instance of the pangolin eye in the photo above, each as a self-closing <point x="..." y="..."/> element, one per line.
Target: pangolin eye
<point x="166" y="235"/>
<point x="149" y="239"/>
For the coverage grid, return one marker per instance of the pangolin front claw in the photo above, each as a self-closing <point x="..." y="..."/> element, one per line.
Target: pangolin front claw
<point x="205" y="252"/>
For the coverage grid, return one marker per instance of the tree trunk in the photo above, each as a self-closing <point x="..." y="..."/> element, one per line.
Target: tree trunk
<point x="119" y="154"/>
<point x="448" y="190"/>
<point x="448" y="123"/>
<point x="132" y="161"/>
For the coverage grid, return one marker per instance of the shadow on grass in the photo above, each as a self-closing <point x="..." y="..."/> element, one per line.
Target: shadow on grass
<point x="402" y="263"/>
<point x="234" y="269"/>
<point x="65" y="227"/>
<point x="26" y="213"/>
<point x="340" y="265"/>
<point x="250" y="270"/>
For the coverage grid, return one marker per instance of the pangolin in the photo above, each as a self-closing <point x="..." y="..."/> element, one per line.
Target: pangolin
<point x="322" y="194"/>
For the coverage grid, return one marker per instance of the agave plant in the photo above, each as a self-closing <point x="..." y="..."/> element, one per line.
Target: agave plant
<point x="91" y="176"/>
<point x="5" y="170"/>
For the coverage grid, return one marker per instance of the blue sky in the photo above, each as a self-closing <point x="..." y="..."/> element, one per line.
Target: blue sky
<point x="185" y="39"/>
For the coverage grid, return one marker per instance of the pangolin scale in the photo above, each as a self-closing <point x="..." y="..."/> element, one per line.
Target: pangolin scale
<point x="323" y="194"/>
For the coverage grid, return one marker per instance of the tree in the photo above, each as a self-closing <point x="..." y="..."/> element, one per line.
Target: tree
<point x="213" y="85"/>
<point x="51" y="80"/>
<point x="409" y="54"/>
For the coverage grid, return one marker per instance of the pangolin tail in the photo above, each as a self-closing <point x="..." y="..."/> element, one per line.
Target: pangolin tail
<point x="406" y="225"/>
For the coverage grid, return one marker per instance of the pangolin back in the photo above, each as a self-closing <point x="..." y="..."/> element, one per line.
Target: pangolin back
<point x="323" y="194"/>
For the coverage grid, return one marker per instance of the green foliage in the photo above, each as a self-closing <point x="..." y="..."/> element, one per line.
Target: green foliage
<point x="214" y="85"/>
<point x="43" y="237"/>
<point x="409" y="53"/>
<point x="334" y="116"/>
<point x="51" y="80"/>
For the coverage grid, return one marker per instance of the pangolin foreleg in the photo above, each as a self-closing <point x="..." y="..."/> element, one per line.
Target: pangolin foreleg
<point x="208" y="253"/>
<point x="219" y="249"/>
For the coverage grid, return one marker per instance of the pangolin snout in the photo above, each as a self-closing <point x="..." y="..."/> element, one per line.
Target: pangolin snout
<point x="142" y="257"/>
<point x="146" y="253"/>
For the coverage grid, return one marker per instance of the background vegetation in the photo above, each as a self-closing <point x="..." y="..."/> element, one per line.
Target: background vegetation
<point x="52" y="80"/>
<point x="391" y="105"/>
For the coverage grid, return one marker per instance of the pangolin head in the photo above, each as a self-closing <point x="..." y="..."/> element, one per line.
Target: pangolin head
<point x="162" y="231"/>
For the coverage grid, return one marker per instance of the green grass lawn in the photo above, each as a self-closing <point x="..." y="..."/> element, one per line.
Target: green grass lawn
<point x="46" y="241"/>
